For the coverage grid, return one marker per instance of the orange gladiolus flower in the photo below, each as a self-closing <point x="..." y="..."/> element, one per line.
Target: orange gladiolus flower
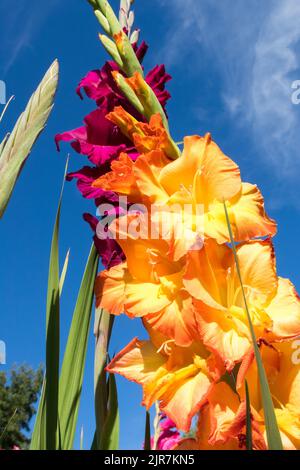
<point x="203" y="177"/>
<point x="228" y="419"/>
<point x="139" y="86"/>
<point x="179" y="378"/>
<point x="121" y="178"/>
<point x="149" y="284"/>
<point x="222" y="324"/>
<point x="202" y="438"/>
<point x="222" y="421"/>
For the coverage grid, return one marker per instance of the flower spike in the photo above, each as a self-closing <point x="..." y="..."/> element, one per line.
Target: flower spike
<point x="121" y="50"/>
<point x="113" y="28"/>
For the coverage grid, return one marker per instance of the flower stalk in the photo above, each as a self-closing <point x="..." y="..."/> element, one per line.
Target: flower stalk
<point x="117" y="43"/>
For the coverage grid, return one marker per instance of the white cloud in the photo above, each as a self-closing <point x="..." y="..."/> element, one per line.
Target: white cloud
<point x="254" y="47"/>
<point x="276" y="120"/>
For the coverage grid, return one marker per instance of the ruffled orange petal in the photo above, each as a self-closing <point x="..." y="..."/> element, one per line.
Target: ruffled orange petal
<point x="201" y="441"/>
<point x="284" y="311"/>
<point x="153" y="136"/>
<point x="258" y="271"/>
<point x="284" y="380"/>
<point x="288" y="420"/>
<point x="191" y="394"/>
<point x="145" y="136"/>
<point x="248" y="371"/>
<point x="211" y="279"/>
<point x="221" y="333"/>
<point x="179" y="378"/>
<point x="228" y="418"/>
<point x="249" y="219"/>
<point x="139" y="362"/>
<point x="147" y="257"/>
<point x="187" y="444"/>
<point x="143" y="299"/>
<point x="285" y="383"/>
<point x="181" y="172"/>
<point x="120" y="179"/>
<point x="206" y="274"/>
<point x="221" y="303"/>
<point x="127" y="123"/>
<point x="147" y="178"/>
<point x="217" y="179"/>
<point x="224" y="404"/>
<point x="204" y="434"/>
<point x="176" y="321"/>
<point x="123" y="176"/>
<point x="110" y="289"/>
<point x="204" y="169"/>
<point x="247" y="215"/>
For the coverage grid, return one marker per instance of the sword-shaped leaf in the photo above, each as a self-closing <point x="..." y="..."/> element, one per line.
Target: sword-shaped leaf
<point x="71" y="377"/>
<point x="25" y="133"/>
<point x="111" y="429"/>
<point x="45" y="431"/>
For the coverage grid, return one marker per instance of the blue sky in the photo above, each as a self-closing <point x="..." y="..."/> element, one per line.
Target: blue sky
<point x="232" y="64"/>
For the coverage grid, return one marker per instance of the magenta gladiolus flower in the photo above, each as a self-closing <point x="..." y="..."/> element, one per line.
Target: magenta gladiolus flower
<point x="100" y="140"/>
<point x="100" y="86"/>
<point x="85" y="177"/>
<point x="110" y="252"/>
<point x="169" y="436"/>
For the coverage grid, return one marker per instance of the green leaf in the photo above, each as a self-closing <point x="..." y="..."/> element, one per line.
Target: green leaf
<point x="111" y="429"/>
<point x="53" y="335"/>
<point x="38" y="438"/>
<point x="273" y="434"/>
<point x="25" y="133"/>
<point x="45" y="430"/>
<point x="71" y="378"/>
<point x="147" y="443"/>
<point x="248" y="419"/>
<point x="64" y="273"/>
